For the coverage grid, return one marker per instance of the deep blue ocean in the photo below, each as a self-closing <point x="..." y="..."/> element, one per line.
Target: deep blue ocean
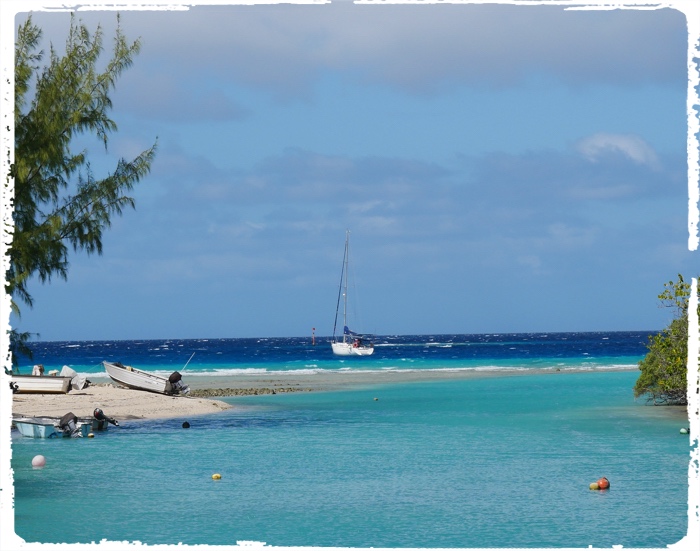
<point x="494" y="461"/>
<point x="215" y="357"/>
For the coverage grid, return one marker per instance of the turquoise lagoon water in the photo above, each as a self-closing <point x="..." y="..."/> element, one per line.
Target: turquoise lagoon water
<point x="501" y="461"/>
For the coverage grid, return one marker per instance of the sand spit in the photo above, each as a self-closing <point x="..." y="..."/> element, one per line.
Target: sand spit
<point x="120" y="403"/>
<point x="123" y="403"/>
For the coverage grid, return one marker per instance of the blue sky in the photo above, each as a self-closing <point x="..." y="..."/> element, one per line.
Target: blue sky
<point x="501" y="168"/>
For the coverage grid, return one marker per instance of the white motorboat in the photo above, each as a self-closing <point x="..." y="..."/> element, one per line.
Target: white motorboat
<point x="40" y="384"/>
<point x="352" y="343"/>
<point x="138" y="379"/>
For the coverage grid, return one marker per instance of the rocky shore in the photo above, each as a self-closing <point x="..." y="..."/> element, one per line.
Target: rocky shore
<point x="223" y="392"/>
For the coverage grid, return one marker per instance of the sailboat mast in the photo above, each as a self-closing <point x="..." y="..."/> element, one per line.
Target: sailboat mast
<point x="345" y="284"/>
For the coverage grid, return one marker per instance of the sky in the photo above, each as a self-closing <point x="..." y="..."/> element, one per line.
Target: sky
<point x="501" y="168"/>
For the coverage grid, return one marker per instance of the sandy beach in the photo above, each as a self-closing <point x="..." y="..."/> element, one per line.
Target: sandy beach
<point x="120" y="403"/>
<point x="123" y="403"/>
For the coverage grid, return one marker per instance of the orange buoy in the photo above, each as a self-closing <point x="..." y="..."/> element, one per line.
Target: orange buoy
<point x="603" y="483"/>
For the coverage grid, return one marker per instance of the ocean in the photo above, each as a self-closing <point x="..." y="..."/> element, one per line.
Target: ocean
<point x="216" y="357"/>
<point x="500" y="460"/>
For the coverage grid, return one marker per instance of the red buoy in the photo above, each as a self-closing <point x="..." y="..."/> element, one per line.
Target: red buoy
<point x="603" y="483"/>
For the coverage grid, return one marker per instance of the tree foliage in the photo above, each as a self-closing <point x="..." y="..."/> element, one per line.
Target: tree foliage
<point x="59" y="204"/>
<point x="664" y="370"/>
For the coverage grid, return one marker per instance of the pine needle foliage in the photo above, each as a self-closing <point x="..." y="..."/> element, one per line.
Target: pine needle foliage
<point x="664" y="370"/>
<point x="59" y="204"/>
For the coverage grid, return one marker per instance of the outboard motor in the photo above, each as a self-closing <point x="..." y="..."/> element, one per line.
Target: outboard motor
<point x="177" y="385"/>
<point x="69" y="425"/>
<point x="102" y="418"/>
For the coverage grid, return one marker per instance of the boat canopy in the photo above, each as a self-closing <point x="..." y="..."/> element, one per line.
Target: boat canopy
<point x="346" y="331"/>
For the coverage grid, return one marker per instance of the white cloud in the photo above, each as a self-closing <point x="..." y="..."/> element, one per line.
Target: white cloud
<point x="633" y="147"/>
<point x="531" y="261"/>
<point x="285" y="48"/>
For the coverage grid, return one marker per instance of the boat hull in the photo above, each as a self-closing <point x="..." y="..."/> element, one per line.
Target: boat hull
<point x="131" y="377"/>
<point x="44" y="384"/>
<point x="348" y="349"/>
<point x="44" y="427"/>
<point x="95" y="424"/>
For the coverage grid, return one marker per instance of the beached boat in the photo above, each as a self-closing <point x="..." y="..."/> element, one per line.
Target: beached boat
<point x="352" y="343"/>
<point x="77" y="382"/>
<point x="40" y="384"/>
<point x="50" y="427"/>
<point x="138" y="379"/>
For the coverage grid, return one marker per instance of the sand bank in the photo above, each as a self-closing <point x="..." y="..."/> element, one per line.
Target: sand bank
<point x="332" y="380"/>
<point x="286" y="381"/>
<point x="120" y="403"/>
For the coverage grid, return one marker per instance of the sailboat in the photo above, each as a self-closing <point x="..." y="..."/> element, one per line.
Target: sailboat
<point x="352" y="344"/>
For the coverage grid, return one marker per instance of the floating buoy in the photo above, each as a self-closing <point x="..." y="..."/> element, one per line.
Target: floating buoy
<point x="376" y="399"/>
<point x="38" y="461"/>
<point x="601" y="484"/>
<point x="216" y="476"/>
<point x="90" y="435"/>
<point x="685" y="431"/>
<point x="185" y="425"/>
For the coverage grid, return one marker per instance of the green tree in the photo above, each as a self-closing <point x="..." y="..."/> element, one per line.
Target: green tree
<point x="59" y="203"/>
<point x="664" y="370"/>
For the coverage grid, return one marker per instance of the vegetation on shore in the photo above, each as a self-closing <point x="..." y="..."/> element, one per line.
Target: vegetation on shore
<point x="58" y="201"/>
<point x="664" y="370"/>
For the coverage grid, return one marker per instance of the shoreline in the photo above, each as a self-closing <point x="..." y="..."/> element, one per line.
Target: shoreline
<point x="128" y="404"/>
<point x="115" y="401"/>
<point x="326" y="381"/>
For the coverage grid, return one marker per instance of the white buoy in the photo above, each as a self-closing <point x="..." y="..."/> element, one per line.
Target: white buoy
<point x="684" y="431"/>
<point x="38" y="461"/>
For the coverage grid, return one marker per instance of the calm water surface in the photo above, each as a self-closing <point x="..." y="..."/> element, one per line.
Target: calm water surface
<point x="487" y="462"/>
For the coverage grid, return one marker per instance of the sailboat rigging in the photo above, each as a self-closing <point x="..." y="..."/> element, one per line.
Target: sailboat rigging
<point x="352" y="344"/>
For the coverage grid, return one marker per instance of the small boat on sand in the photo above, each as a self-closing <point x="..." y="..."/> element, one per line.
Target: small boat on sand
<point x="40" y="384"/>
<point x="138" y="379"/>
<point x="52" y="427"/>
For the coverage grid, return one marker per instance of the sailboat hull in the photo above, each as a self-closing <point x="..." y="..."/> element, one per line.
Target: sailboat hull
<point x="347" y="349"/>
